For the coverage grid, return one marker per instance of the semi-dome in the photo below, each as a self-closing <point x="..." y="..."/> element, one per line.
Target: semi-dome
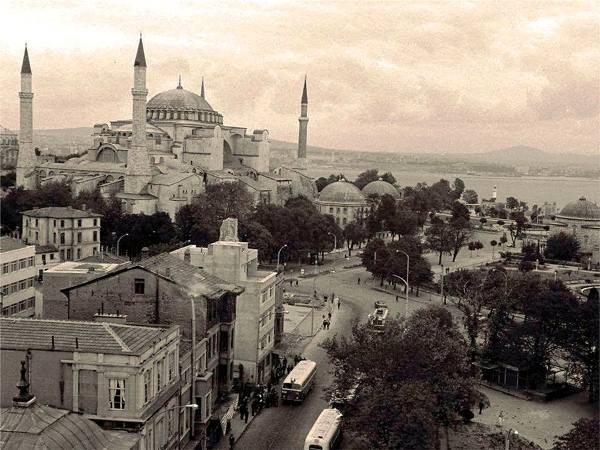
<point x="179" y="98"/>
<point x="341" y="192"/>
<point x="380" y="188"/>
<point x="581" y="209"/>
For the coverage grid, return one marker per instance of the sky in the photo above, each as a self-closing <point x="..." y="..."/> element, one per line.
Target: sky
<point x="398" y="76"/>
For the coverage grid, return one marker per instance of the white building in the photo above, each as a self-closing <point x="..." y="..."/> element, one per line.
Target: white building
<point x="19" y="276"/>
<point x="254" y="336"/>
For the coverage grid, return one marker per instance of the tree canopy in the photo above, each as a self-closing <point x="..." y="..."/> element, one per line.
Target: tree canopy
<point x="562" y="246"/>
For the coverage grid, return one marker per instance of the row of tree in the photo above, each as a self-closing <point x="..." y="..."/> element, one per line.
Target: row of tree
<point x="531" y="323"/>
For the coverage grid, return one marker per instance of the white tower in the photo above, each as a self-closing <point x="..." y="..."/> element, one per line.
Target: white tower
<point x="138" y="173"/>
<point x="494" y="193"/>
<point x="26" y="158"/>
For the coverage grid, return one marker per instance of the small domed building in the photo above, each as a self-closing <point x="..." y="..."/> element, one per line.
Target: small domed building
<point x="581" y="218"/>
<point x="380" y="188"/>
<point x="342" y="200"/>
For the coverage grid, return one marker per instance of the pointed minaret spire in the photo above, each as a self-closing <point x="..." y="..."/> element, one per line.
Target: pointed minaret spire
<point x="202" y="88"/>
<point x="179" y="84"/>
<point x="140" y="57"/>
<point x="304" y="94"/>
<point x="26" y="67"/>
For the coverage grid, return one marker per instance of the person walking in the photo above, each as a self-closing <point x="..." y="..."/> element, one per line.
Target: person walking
<point x="324" y="324"/>
<point x="253" y="407"/>
<point x="397" y="299"/>
<point x="231" y="441"/>
<point x="339" y="302"/>
<point x="481" y="406"/>
<point x="296" y="282"/>
<point x="358" y="280"/>
<point x="329" y="315"/>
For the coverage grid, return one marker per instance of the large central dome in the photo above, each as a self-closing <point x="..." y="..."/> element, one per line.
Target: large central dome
<point x="179" y="98"/>
<point x="581" y="209"/>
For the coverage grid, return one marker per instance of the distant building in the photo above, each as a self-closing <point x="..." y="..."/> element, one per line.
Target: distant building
<point x="9" y="147"/>
<point x="342" y="200"/>
<point x="581" y="218"/>
<point x="75" y="232"/>
<point x="255" y="307"/>
<point x="164" y="289"/>
<point x="120" y="376"/>
<point x="19" y="278"/>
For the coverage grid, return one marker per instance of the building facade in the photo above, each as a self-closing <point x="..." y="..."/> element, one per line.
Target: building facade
<point x="120" y="376"/>
<point x="75" y="232"/>
<point x="19" y="278"/>
<point x="581" y="219"/>
<point x="342" y="200"/>
<point x="164" y="289"/>
<point x="9" y="147"/>
<point x="255" y="324"/>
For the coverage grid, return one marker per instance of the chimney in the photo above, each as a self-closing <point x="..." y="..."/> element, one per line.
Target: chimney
<point x="145" y="252"/>
<point x="24" y="398"/>
<point x="168" y="271"/>
<point x="84" y="207"/>
<point x="111" y="318"/>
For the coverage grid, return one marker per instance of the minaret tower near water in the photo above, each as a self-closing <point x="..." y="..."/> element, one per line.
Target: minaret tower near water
<point x="303" y="124"/>
<point x="138" y="173"/>
<point x="26" y="158"/>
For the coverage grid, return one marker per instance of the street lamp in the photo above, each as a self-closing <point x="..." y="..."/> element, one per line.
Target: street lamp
<point x="278" y="254"/>
<point x="405" y="280"/>
<point x="509" y="434"/>
<point x="119" y="240"/>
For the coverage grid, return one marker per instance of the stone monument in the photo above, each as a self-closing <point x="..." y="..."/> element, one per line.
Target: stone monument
<point x="229" y="230"/>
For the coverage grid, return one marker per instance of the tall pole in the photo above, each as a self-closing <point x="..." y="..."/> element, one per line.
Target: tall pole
<point x="442" y="285"/>
<point x="119" y="240"/>
<point x="278" y="254"/>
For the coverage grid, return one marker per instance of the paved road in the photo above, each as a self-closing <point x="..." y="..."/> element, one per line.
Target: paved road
<point x="285" y="427"/>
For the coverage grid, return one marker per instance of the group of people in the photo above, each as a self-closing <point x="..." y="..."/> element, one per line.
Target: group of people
<point x="261" y="397"/>
<point x="327" y="321"/>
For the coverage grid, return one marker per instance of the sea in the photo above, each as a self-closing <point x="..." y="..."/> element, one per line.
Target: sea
<point x="533" y="190"/>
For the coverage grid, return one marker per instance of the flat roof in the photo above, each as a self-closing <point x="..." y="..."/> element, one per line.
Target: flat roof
<point x="8" y="244"/>
<point x="82" y="267"/>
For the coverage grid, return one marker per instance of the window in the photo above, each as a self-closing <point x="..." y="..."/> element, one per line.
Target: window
<point x="345" y="210"/>
<point x="62" y="238"/>
<point x="160" y="374"/>
<point x="14" y="266"/>
<point x="147" y="385"/>
<point x="79" y="238"/>
<point x="139" y="286"/>
<point x="51" y="256"/>
<point x="171" y="365"/>
<point x="95" y="222"/>
<point x="79" y="223"/>
<point x="62" y="223"/>
<point x="22" y="263"/>
<point x="37" y="236"/>
<point x="69" y="254"/>
<point x="344" y="221"/>
<point x="54" y="223"/>
<point x="331" y="210"/>
<point x="78" y="253"/>
<point x="54" y="237"/>
<point x="36" y="222"/>
<point x="22" y="284"/>
<point x="5" y="268"/>
<point x="116" y="393"/>
<point x="62" y="254"/>
<point x="95" y="237"/>
<point x="31" y="261"/>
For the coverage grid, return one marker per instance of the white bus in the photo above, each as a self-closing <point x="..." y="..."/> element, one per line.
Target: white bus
<point x="379" y="316"/>
<point x="326" y="433"/>
<point x="299" y="381"/>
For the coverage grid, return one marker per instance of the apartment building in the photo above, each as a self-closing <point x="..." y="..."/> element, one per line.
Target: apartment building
<point x="256" y="307"/>
<point x="19" y="278"/>
<point x="75" y="232"/>
<point x="122" y="377"/>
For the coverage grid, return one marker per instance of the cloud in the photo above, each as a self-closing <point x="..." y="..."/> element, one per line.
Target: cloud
<point x="433" y="76"/>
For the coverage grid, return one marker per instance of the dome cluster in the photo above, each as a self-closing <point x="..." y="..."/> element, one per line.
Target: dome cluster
<point x="380" y="188"/>
<point x="581" y="209"/>
<point x="180" y="104"/>
<point x="341" y="192"/>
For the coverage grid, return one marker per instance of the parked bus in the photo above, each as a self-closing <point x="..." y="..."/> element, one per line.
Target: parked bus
<point x="299" y="381"/>
<point x="379" y="316"/>
<point x="326" y="433"/>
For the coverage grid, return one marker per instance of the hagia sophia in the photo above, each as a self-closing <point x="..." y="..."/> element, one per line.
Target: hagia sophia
<point x="173" y="146"/>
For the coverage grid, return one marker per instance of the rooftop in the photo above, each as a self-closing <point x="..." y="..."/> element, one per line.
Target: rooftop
<point x="69" y="335"/>
<point x="60" y="212"/>
<point x="8" y="244"/>
<point x="82" y="266"/>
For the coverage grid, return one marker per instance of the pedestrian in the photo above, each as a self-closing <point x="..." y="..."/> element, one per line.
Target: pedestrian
<point x="296" y="282"/>
<point x="291" y="281"/>
<point x="228" y="427"/>
<point x="396" y="298"/>
<point x="328" y="323"/>
<point x="244" y="412"/>
<point x="315" y="293"/>
<point x="253" y="407"/>
<point x="329" y="315"/>
<point x="231" y="441"/>
<point x="481" y="405"/>
<point x="339" y="303"/>
<point x="324" y="324"/>
<point x="358" y="280"/>
<point x="332" y="296"/>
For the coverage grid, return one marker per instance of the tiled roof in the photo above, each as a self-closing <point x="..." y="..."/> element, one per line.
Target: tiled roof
<point x="101" y="337"/>
<point x="196" y="280"/>
<point x="37" y="426"/>
<point x="8" y="244"/>
<point x="60" y="212"/>
<point x="46" y="248"/>
<point x="104" y="258"/>
<point x="170" y="178"/>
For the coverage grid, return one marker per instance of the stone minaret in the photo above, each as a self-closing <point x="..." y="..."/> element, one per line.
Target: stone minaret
<point x="202" y="89"/>
<point x="303" y="124"/>
<point x="26" y="156"/>
<point x="138" y="163"/>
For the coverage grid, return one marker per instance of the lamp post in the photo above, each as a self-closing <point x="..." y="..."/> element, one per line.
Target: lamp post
<point x="509" y="434"/>
<point x="192" y="406"/>
<point x="278" y="254"/>
<point x="119" y="240"/>
<point x="405" y="280"/>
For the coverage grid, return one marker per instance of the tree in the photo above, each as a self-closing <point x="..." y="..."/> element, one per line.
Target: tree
<point x="144" y="231"/>
<point x="440" y="237"/>
<point x="562" y="246"/>
<point x="355" y="233"/>
<point x="258" y="237"/>
<point x="366" y="177"/>
<point x="404" y="223"/>
<point x="512" y="203"/>
<point x="460" y="227"/>
<point x="8" y="179"/>
<point x="483" y="221"/>
<point x="428" y="375"/>
<point x="458" y="188"/>
<point x="375" y="258"/>
<point x="470" y="196"/>
<point x="518" y="226"/>
<point x="584" y="435"/>
<point x="582" y="342"/>
<point x="441" y="195"/>
<point x="322" y="181"/>
<point x="388" y="177"/>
